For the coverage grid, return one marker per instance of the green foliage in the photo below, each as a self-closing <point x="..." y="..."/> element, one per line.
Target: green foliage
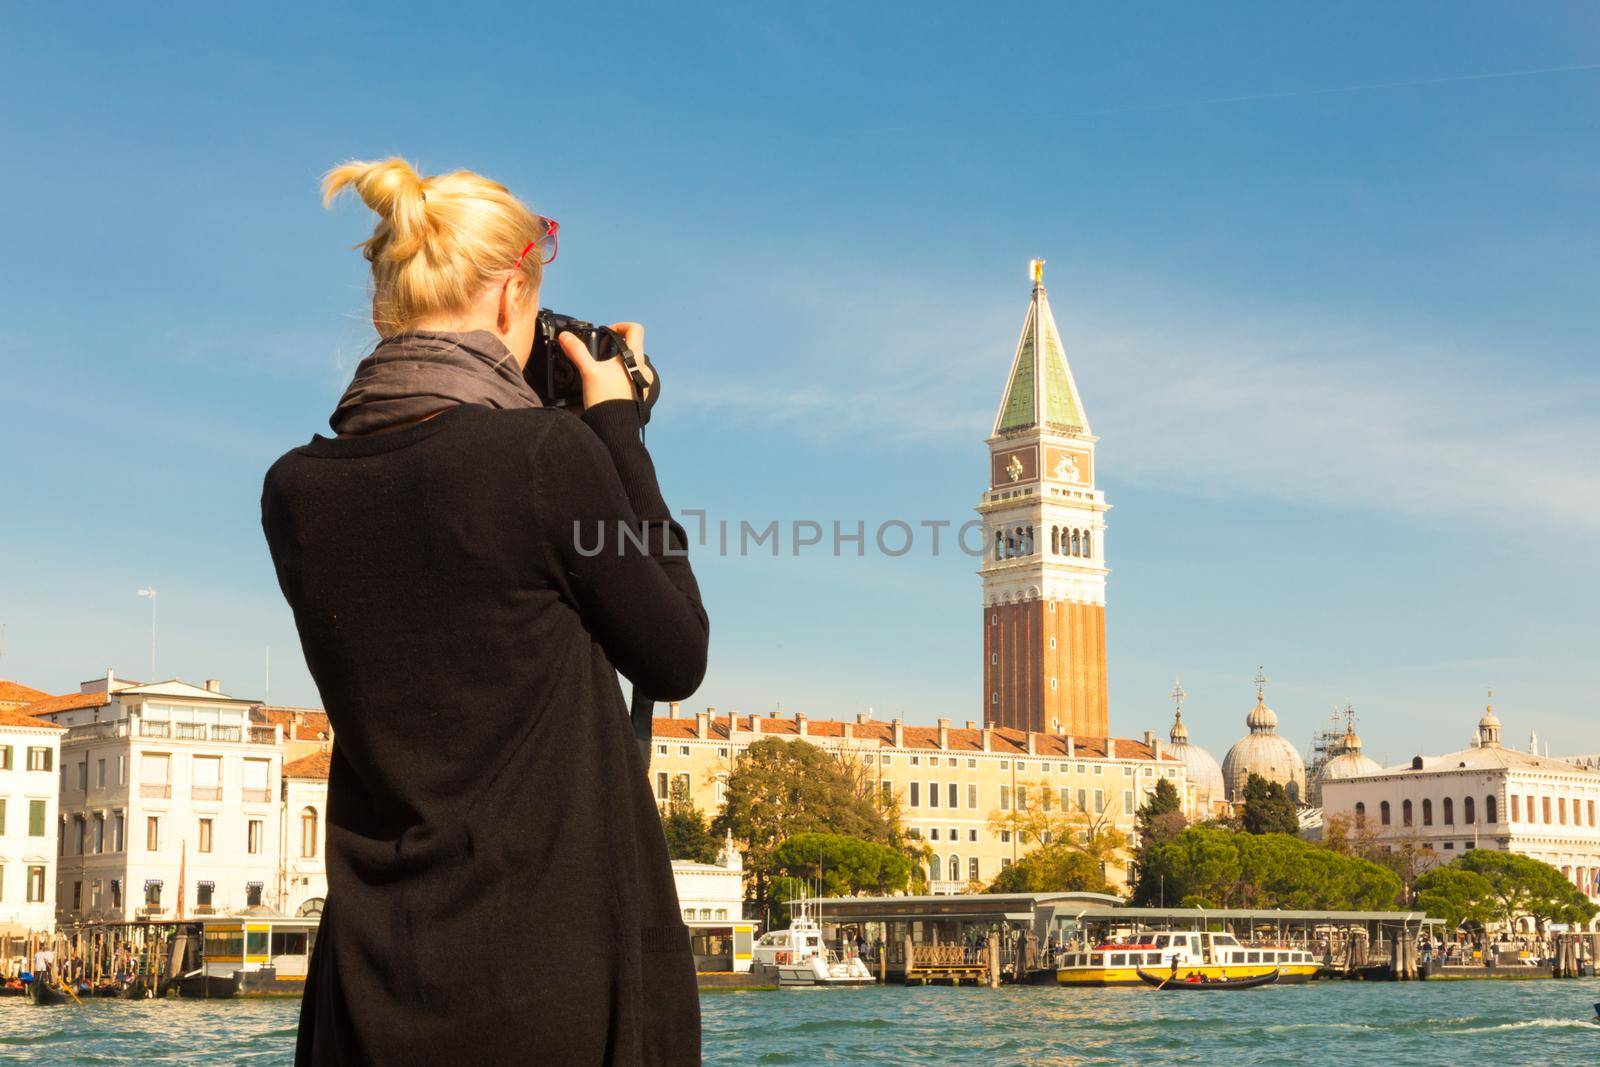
<point x="1267" y="808"/>
<point x="688" y="837"/>
<point x="1053" y="868"/>
<point x="1156" y="816"/>
<point x="1456" y="895"/>
<point x="838" y="865"/>
<point x="1228" y="869"/>
<point x="780" y="789"/>
<point x="1520" y="885"/>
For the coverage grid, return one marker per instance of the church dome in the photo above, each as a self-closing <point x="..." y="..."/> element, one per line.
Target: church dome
<point x="1263" y="752"/>
<point x="1348" y="762"/>
<point x="1200" y="766"/>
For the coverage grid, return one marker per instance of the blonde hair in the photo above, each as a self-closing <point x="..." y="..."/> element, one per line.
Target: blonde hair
<point x="439" y="240"/>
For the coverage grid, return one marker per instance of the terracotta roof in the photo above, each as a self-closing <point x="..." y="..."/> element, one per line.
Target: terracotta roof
<point x="69" y="702"/>
<point x="17" y="693"/>
<point x="1003" y="740"/>
<point x="312" y="766"/>
<point x="11" y="717"/>
<point x="299" y="724"/>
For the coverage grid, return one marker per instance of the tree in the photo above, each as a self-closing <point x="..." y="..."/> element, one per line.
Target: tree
<point x="1047" y="822"/>
<point x="1521" y="885"/>
<point x="1267" y="808"/>
<point x="1160" y="820"/>
<point x="837" y="865"/>
<point x="688" y="837"/>
<point x="1458" y="896"/>
<point x="1051" y="868"/>
<point x="1215" y="867"/>
<point x="779" y="789"/>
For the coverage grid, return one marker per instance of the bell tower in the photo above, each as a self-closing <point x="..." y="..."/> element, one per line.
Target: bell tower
<point x="1044" y="574"/>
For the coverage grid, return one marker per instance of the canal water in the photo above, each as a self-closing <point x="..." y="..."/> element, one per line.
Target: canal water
<point x="1326" y="1023"/>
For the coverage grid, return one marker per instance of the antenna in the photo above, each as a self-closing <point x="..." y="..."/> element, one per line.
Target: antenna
<point x="149" y="592"/>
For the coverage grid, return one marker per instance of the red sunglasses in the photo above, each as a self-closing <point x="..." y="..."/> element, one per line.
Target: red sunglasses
<point x="546" y="243"/>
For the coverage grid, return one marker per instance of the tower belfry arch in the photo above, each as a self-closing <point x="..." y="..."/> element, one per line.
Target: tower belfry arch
<point x="1044" y="573"/>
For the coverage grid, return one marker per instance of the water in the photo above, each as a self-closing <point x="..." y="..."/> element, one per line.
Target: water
<point x="1329" y="1023"/>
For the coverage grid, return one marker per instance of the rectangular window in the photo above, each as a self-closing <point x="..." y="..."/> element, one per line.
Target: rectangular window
<point x="1022" y="798"/>
<point x="99" y="832"/>
<point x="661" y="785"/>
<point x="1546" y="807"/>
<point x="1516" y="808"/>
<point x="916" y="761"/>
<point x="954" y="795"/>
<point x="1005" y="798"/>
<point x="257" y="781"/>
<point x="888" y="792"/>
<point x="972" y="796"/>
<point x="5" y="757"/>
<point x="972" y="869"/>
<point x="972" y="764"/>
<point x="152" y="833"/>
<point x="661" y="750"/>
<point x="933" y="794"/>
<point x="35" y="885"/>
<point x="207" y="783"/>
<point x="77" y="896"/>
<point x="122" y="769"/>
<point x="1099" y="801"/>
<point x="2" y="821"/>
<point x="100" y="774"/>
<point x="1561" y="810"/>
<point x="252" y="899"/>
<point x="118" y="830"/>
<point x="39" y="760"/>
<point x="205" y="835"/>
<point x="255" y="829"/>
<point x="116" y="893"/>
<point x="916" y="794"/>
<point x="202" y="893"/>
<point x="80" y="828"/>
<point x="1591" y="813"/>
<point x="972" y="835"/>
<point x="1083" y="800"/>
<point x="683" y="750"/>
<point x="35" y="818"/>
<point x="96" y="889"/>
<point x="1127" y="802"/>
<point x="152" y="893"/>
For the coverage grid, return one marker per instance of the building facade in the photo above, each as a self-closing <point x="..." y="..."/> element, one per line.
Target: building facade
<point x="169" y="801"/>
<point x="302" y="860"/>
<point x="1044" y="573"/>
<point x="1485" y="796"/>
<point x="30" y="752"/>
<point x="949" y="783"/>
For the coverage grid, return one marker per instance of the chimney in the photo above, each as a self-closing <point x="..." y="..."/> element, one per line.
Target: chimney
<point x="1072" y="747"/>
<point x="1032" y="750"/>
<point x="213" y="685"/>
<point x="674" y="709"/>
<point x="971" y="725"/>
<point x="801" y="725"/>
<point x="944" y="733"/>
<point x="862" y="716"/>
<point x="1111" y="748"/>
<point x="899" y="733"/>
<point x="702" y="723"/>
<point x="988" y="739"/>
<point x="1150" y="739"/>
<point x="1155" y="748"/>
<point x="848" y="730"/>
<point x="755" y="724"/>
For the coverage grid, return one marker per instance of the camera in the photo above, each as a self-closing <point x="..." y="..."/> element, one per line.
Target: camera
<point x="555" y="379"/>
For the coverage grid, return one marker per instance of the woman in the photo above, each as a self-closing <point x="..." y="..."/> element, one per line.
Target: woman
<point x="499" y="890"/>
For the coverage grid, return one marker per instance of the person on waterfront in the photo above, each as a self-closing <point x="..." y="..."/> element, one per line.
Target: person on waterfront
<point x="499" y="889"/>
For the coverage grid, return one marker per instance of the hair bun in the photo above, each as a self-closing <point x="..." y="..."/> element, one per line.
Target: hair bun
<point x="396" y="192"/>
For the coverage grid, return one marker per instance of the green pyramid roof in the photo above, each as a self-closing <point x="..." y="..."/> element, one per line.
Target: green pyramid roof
<point x="1040" y="392"/>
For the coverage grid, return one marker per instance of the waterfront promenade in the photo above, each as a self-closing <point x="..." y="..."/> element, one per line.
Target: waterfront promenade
<point x="1326" y="1023"/>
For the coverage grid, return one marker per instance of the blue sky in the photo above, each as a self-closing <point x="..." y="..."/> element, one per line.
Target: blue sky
<point x="1326" y="277"/>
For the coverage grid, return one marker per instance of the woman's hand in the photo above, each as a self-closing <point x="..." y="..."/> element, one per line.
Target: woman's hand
<point x="607" y="379"/>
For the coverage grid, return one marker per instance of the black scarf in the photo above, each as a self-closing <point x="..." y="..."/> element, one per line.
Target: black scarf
<point x="414" y="374"/>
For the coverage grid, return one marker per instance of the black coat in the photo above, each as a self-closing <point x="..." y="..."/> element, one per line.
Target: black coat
<point x="499" y="890"/>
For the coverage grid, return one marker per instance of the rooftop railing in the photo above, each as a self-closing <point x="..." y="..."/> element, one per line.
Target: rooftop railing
<point x="137" y="726"/>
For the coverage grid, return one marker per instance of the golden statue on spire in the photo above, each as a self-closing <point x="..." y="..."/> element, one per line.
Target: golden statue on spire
<point x="1036" y="270"/>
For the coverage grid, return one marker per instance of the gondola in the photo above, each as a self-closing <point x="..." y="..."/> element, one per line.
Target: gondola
<point x="1173" y="982"/>
<point x="41" y="992"/>
<point x="138" y="989"/>
<point x="208" y="986"/>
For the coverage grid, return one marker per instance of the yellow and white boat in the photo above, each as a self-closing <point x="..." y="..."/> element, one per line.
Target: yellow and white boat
<point x="1181" y="954"/>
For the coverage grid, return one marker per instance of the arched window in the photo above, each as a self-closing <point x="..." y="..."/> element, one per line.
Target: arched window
<point x="1383" y="813"/>
<point x="1077" y="547"/>
<point x="1491" y="811"/>
<point x="1427" y="812"/>
<point x="311" y="907"/>
<point x="1088" y="539"/>
<point x="955" y="868"/>
<point x="1449" y="811"/>
<point x="308" y="832"/>
<point x="1361" y="814"/>
<point x="1469" y="811"/>
<point x="999" y="545"/>
<point x="1055" y="540"/>
<point x="1405" y="813"/>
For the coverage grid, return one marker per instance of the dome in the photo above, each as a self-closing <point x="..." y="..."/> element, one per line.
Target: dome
<point x="1199" y="766"/>
<point x="1263" y="752"/>
<point x="1349" y="765"/>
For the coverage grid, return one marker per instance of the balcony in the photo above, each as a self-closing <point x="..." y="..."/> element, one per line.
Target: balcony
<point x="149" y="911"/>
<point x="154" y="729"/>
<point x="230" y="733"/>
<point x="205" y="792"/>
<point x="153" y="791"/>
<point x="257" y="796"/>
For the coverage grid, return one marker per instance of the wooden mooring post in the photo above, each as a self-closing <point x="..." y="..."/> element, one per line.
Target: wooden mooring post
<point x="993" y="955"/>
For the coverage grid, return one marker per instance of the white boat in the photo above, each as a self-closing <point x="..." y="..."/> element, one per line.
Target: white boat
<point x="799" y="957"/>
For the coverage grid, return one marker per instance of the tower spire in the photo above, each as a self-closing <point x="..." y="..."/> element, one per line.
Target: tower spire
<point x="1040" y="391"/>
